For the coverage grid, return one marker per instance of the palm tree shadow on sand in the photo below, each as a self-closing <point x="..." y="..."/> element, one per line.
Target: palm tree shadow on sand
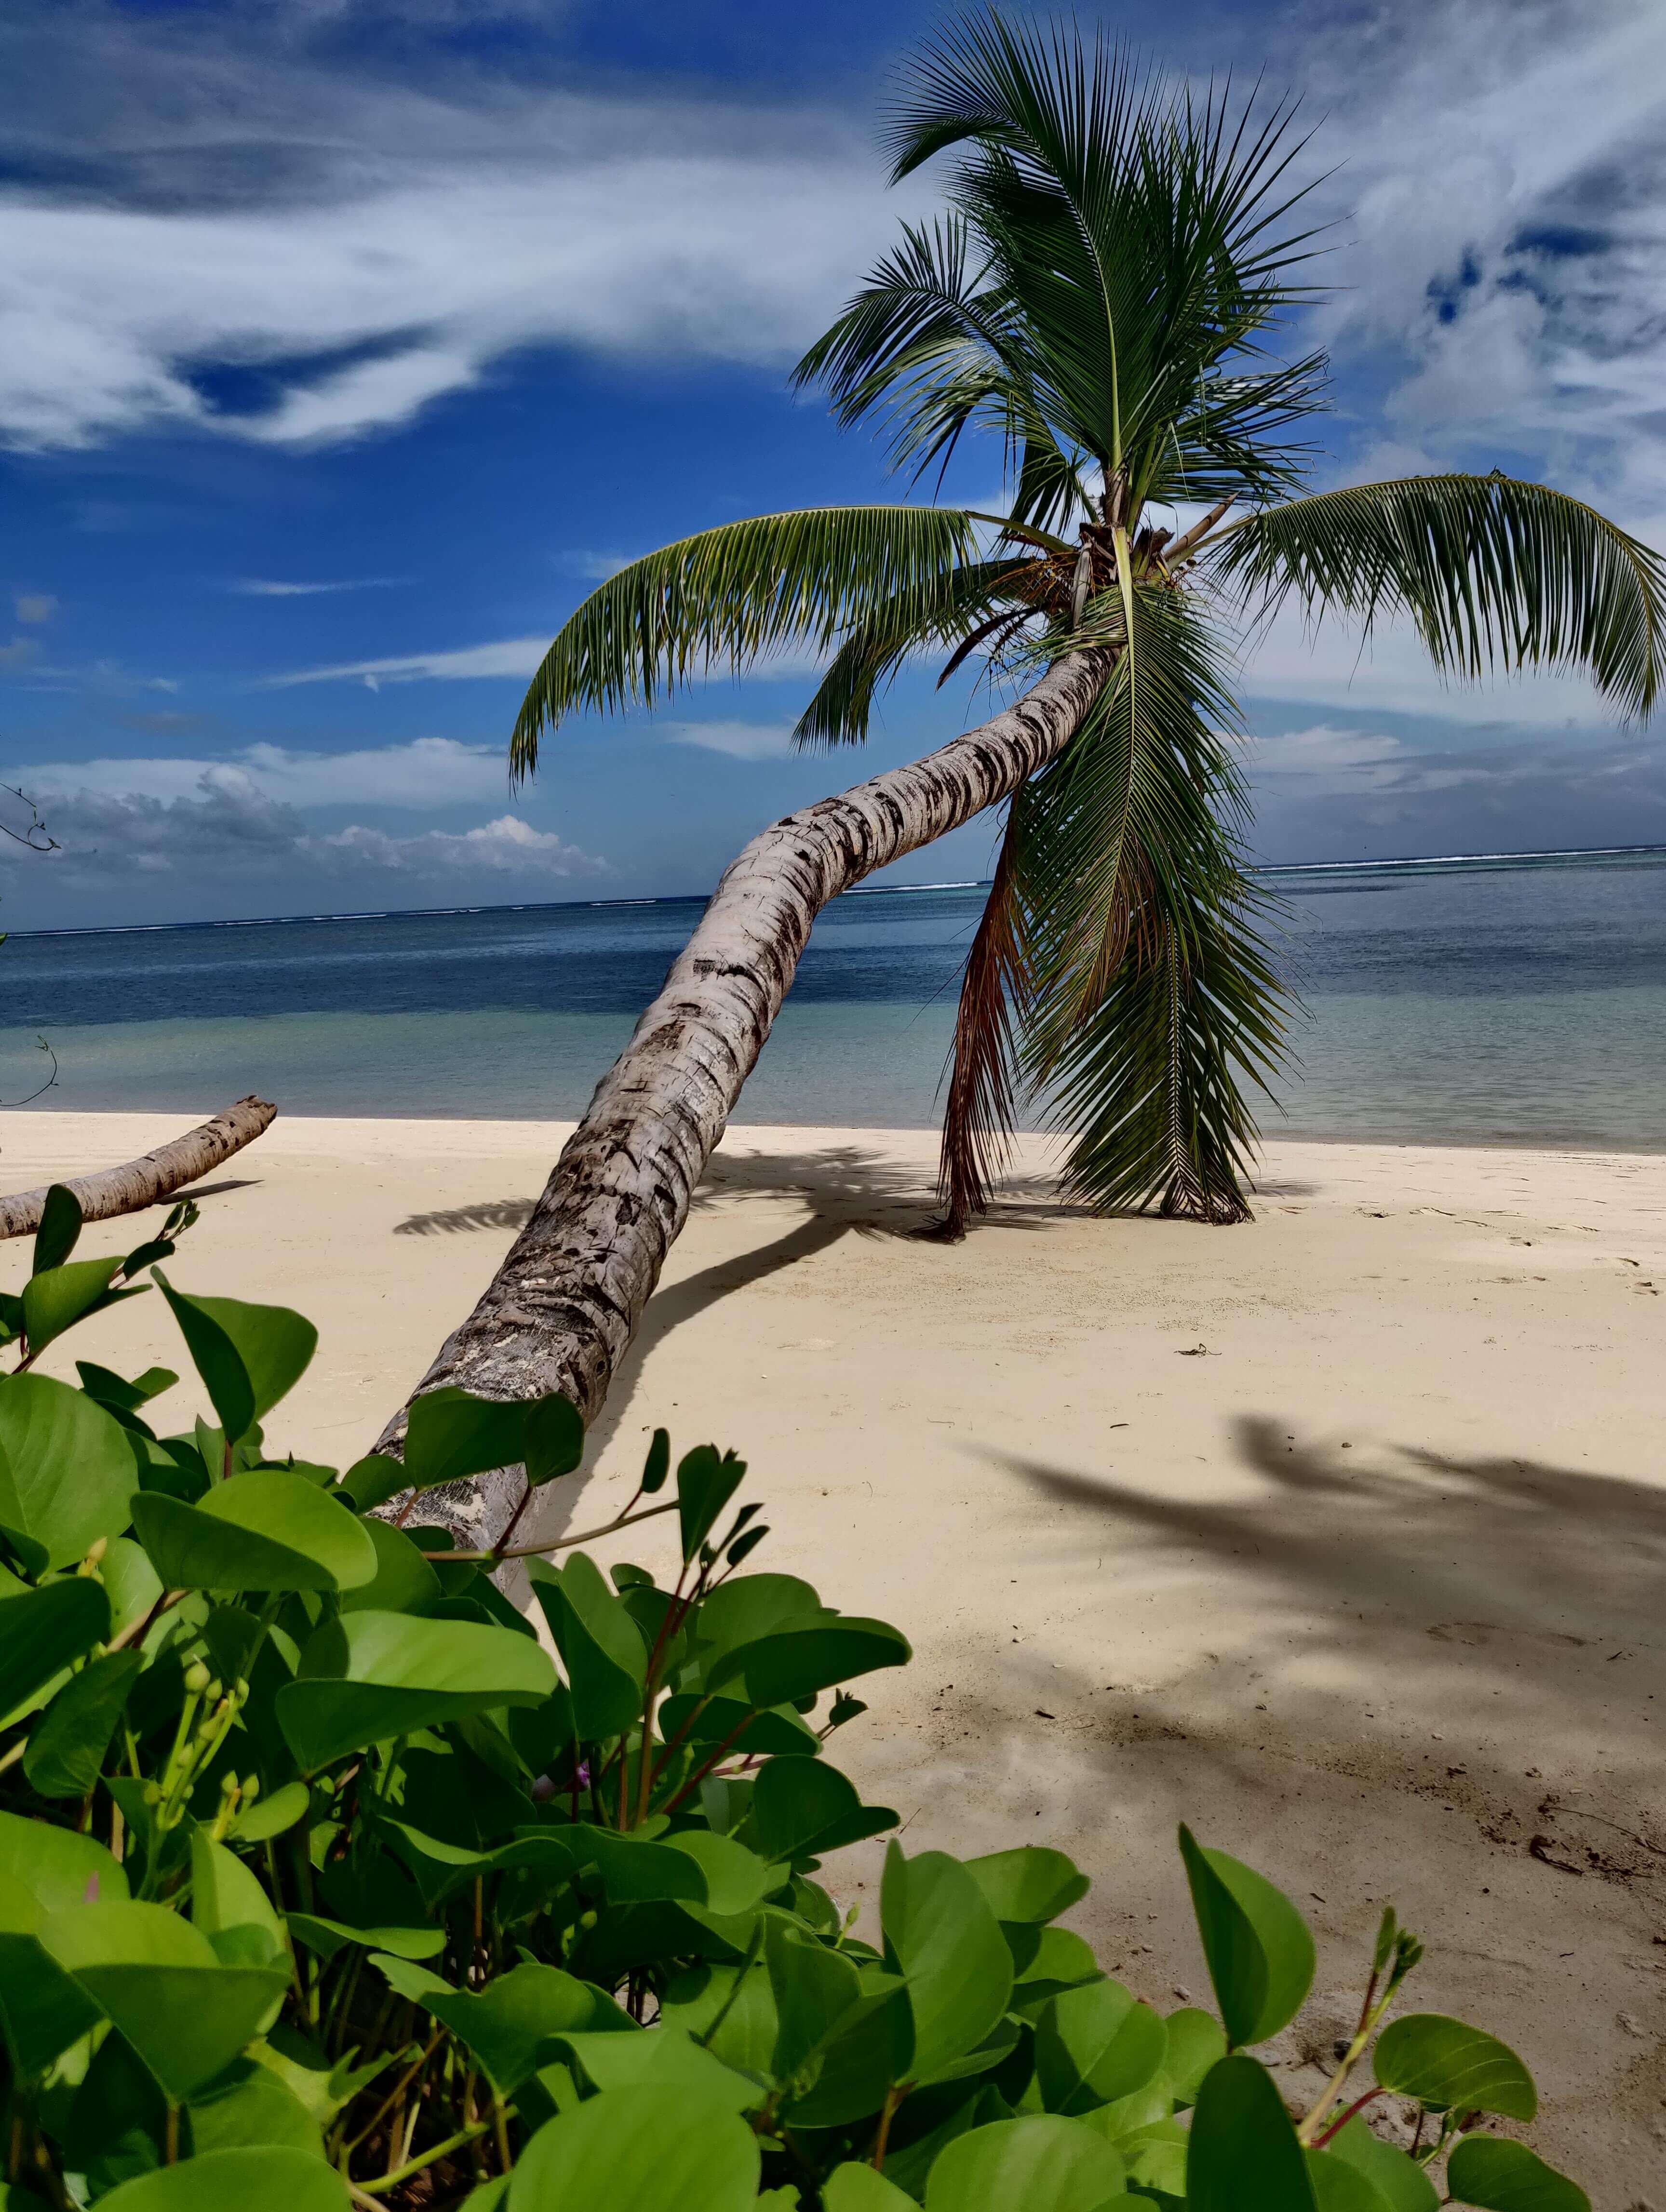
<point x="1508" y="1603"/>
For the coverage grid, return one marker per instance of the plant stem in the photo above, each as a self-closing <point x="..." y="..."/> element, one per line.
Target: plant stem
<point x="375" y="2189"/>
<point x="560" y="1543"/>
<point x="894" y="2097"/>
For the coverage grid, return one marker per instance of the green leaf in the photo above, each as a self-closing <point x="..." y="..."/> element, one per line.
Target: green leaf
<point x="1048" y="1960"/>
<point x="453" y="1434"/>
<point x="68" y="1742"/>
<point x="1259" y="1948"/>
<point x="653" y="2150"/>
<point x="271" y="1816"/>
<point x="1155" y="2157"/>
<point x="371" y="1676"/>
<point x="1096" y="2043"/>
<point x="736" y="1879"/>
<point x="803" y="1807"/>
<point x="797" y="1662"/>
<point x="270" y="1529"/>
<point x="747" y="1607"/>
<point x="509" y="2023"/>
<point x="43" y="2010"/>
<point x="231" y="1908"/>
<point x="945" y="1940"/>
<point x="851" y="2188"/>
<point x="1339" y="2187"/>
<point x="1044" y="2163"/>
<point x="601" y="1647"/>
<point x="725" y="1720"/>
<point x="705" y="1484"/>
<point x="1244" y="2155"/>
<point x="273" y="2179"/>
<point x="42" y="1633"/>
<point x="1495" y="573"/>
<point x="158" y="1979"/>
<point x="326" y="1937"/>
<point x="1444" y="2064"/>
<point x="726" y="595"/>
<point x="131" y="1584"/>
<point x="116" y="1391"/>
<point x="666" y="2058"/>
<point x="1196" y="2041"/>
<point x="1501" y="2176"/>
<point x="57" y="1298"/>
<point x="55" y="1867"/>
<point x="60" y="1228"/>
<point x="1402" y="2185"/>
<point x="67" y="1472"/>
<point x="731" y="2010"/>
<point x="552" y="1442"/>
<point x="1030" y="1885"/>
<point x="248" y="1356"/>
<point x="250" y="2106"/>
<point x="404" y="1581"/>
<point x="372" y="1480"/>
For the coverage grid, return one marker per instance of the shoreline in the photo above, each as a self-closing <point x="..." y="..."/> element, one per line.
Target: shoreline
<point x="1340" y="1534"/>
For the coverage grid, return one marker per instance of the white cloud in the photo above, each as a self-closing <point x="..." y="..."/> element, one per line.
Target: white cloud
<point x="425" y="773"/>
<point x="509" y="656"/>
<point x="1328" y="666"/>
<point x="228" y="826"/>
<point x="401" y="278"/>
<point x="261" y="587"/>
<point x="513" y="656"/>
<point x="35" y="606"/>
<point x="740" y="740"/>
<point x="508" y="845"/>
<point x="1507" y="243"/>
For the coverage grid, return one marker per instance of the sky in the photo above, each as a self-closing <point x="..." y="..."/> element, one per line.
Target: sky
<point x="345" y="347"/>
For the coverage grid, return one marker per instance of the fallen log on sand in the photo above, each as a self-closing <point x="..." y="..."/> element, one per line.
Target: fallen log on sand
<point x="157" y="1176"/>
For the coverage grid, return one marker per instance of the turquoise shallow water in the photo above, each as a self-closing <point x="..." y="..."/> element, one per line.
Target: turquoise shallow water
<point x="1515" y="1001"/>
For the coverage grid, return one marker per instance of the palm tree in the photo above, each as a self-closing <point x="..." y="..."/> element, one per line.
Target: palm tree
<point x="1103" y="293"/>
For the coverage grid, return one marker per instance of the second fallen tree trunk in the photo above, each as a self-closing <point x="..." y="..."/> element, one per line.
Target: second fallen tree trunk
<point x="562" y="1308"/>
<point x="145" y="1182"/>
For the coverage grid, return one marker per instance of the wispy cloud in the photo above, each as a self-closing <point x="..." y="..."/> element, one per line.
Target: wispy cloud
<point x="262" y="588"/>
<point x="426" y="773"/>
<point x="509" y="656"/>
<point x="739" y="740"/>
<point x="35" y="606"/>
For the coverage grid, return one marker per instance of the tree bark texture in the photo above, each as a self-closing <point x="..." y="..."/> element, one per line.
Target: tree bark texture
<point x="157" y="1176"/>
<point x="562" y="1308"/>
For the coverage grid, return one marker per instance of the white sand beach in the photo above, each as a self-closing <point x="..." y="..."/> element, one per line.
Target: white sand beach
<point x="1339" y="1535"/>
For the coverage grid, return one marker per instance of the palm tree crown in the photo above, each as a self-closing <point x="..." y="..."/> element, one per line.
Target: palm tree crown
<point x="1102" y="292"/>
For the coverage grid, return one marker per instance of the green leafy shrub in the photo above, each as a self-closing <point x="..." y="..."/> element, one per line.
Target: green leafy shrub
<point x="321" y="1882"/>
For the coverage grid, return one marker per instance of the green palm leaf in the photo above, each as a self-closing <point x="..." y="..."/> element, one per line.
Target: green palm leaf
<point x="724" y="597"/>
<point x="1495" y="574"/>
<point x="1149" y="995"/>
<point x="943" y="612"/>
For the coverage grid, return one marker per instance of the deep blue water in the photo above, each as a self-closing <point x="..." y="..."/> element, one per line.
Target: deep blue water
<point x="1480" y="1001"/>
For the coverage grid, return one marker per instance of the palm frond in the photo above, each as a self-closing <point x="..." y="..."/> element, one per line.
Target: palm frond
<point x="1149" y="996"/>
<point x="1496" y="574"/>
<point x="722" y="599"/>
<point x="982" y="1068"/>
<point x="876" y="647"/>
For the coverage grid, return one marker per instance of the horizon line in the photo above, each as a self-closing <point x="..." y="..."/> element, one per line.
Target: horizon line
<point x="702" y="898"/>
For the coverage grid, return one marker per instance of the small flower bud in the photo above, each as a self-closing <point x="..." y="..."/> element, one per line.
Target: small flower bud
<point x="96" y="1550"/>
<point x="251" y="1788"/>
<point x="152" y="1793"/>
<point x="227" y="1784"/>
<point x="197" y="1678"/>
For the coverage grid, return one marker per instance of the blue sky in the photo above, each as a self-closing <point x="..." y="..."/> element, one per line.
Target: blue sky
<point x="344" y="347"/>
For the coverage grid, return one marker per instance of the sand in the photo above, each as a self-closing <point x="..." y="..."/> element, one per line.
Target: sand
<point x="1339" y="1535"/>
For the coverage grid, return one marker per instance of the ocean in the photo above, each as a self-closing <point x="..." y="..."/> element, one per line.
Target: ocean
<point x="1517" y="999"/>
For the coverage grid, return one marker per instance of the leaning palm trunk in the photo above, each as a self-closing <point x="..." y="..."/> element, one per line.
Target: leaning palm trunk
<point x="139" y="1183"/>
<point x="562" y="1308"/>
